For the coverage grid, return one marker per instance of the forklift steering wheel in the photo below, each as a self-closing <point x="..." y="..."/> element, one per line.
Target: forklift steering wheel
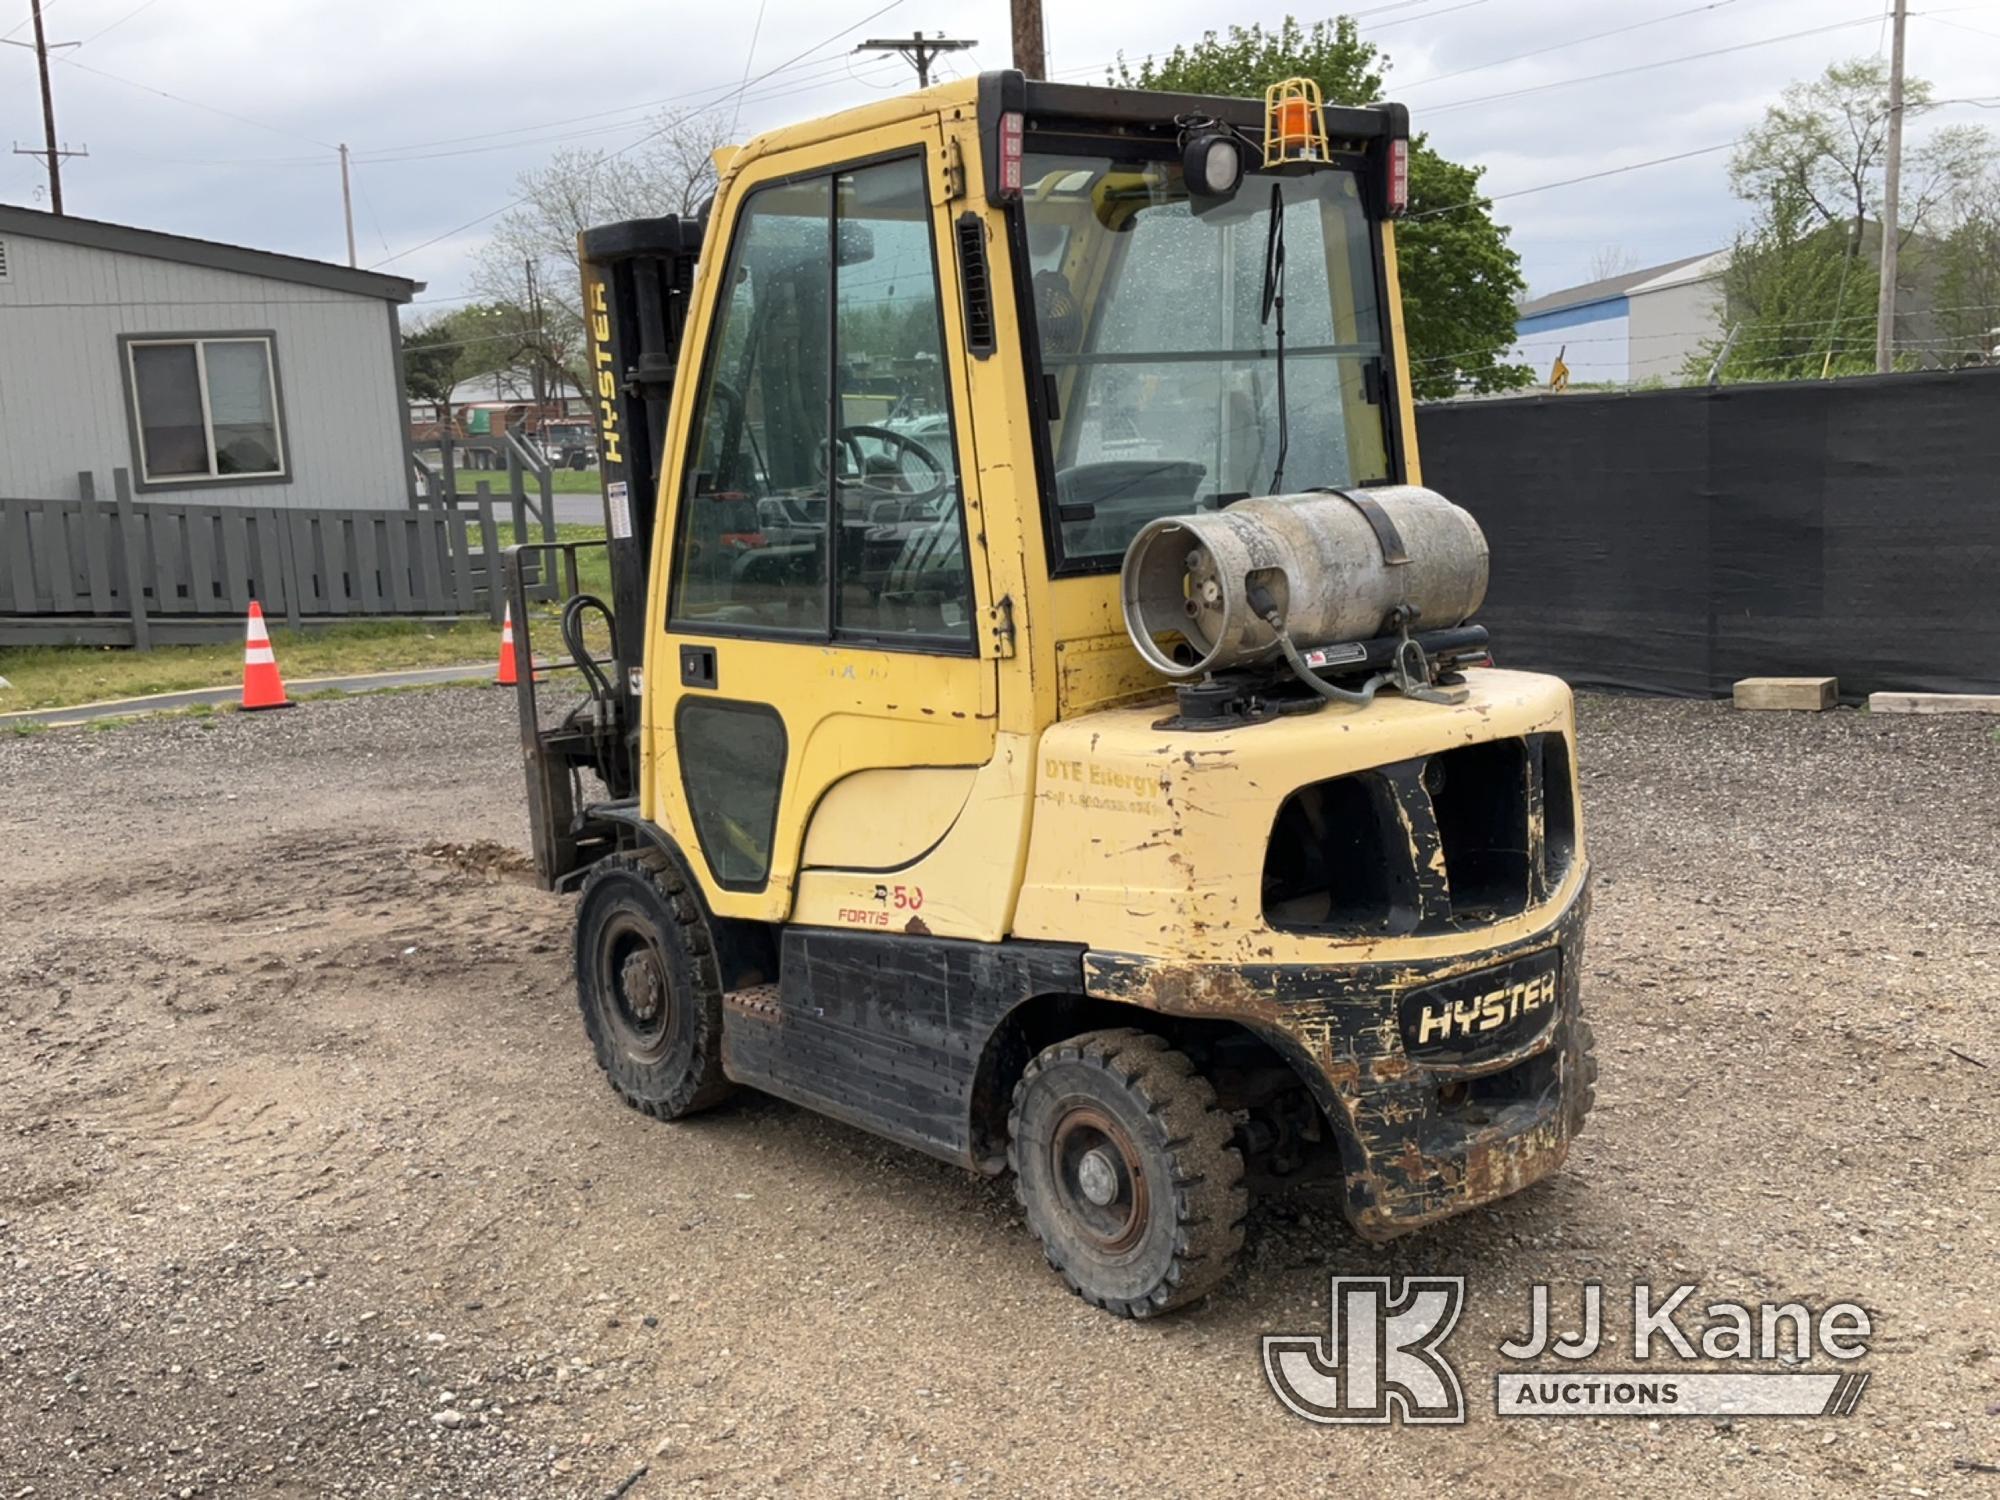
<point x="936" y="482"/>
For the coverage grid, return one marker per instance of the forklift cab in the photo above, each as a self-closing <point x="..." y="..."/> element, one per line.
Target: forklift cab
<point x="950" y="358"/>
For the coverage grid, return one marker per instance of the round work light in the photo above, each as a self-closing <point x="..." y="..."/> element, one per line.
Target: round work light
<point x="1213" y="163"/>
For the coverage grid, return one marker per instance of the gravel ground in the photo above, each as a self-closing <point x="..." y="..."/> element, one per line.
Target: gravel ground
<point x="308" y="1185"/>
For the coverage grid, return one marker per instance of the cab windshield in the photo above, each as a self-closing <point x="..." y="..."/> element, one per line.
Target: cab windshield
<point x="1160" y="371"/>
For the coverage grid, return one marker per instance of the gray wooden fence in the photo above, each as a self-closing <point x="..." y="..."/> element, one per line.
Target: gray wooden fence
<point x="137" y="573"/>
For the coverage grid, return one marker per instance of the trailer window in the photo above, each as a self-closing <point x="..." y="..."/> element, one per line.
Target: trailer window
<point x="205" y="410"/>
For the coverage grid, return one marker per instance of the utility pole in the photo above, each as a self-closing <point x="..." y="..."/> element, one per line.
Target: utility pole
<point x="1031" y="54"/>
<point x="347" y="202"/>
<point x="921" y="51"/>
<point x="56" y="154"/>
<point x="1892" y="175"/>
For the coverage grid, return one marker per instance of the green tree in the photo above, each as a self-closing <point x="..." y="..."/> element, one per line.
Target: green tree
<point x="1802" y="282"/>
<point x="1967" y="257"/>
<point x="1801" y="299"/>
<point x="476" y="339"/>
<point x="1460" y="278"/>
<point x="430" y="358"/>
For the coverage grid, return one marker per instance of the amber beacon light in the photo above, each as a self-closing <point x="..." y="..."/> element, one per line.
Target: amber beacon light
<point x="1294" y="122"/>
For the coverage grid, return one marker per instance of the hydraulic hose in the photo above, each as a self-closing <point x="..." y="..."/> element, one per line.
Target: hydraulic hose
<point x="578" y="647"/>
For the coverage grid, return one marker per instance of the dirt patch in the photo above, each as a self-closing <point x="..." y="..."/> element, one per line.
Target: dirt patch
<point x="488" y="858"/>
<point x="308" y="1184"/>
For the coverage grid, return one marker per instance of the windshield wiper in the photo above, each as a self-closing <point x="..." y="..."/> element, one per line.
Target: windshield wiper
<point x="1274" y="300"/>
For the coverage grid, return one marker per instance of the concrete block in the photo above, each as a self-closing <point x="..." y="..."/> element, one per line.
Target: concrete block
<point x="1808" y="693"/>
<point x="1934" y="703"/>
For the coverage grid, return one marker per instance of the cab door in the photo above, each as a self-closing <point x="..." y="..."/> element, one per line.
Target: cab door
<point x="824" y="597"/>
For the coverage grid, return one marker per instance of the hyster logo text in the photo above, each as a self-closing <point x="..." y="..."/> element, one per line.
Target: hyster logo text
<point x="1380" y="1358"/>
<point x="1487" y="1012"/>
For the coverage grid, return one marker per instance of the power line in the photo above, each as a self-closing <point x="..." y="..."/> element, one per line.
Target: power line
<point x="197" y="104"/>
<point x="1933" y="16"/>
<point x="1429" y="15"/>
<point x="1769" y="332"/>
<point x="749" y="58"/>
<point x="722" y="91"/>
<point x="1664" y="62"/>
<point x="787" y="89"/>
<point x="1596" y="36"/>
<point x="633" y="145"/>
<point x="30" y="21"/>
<point x="1490" y="198"/>
<point x="410" y="151"/>
<point x="143" y="5"/>
<point x="808" y="81"/>
<point x="368" y="203"/>
<point x="524" y="334"/>
<point x="1353" y="15"/>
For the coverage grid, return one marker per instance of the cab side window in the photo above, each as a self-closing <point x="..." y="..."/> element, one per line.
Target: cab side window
<point x="823" y="496"/>
<point x="902" y="527"/>
<point x="752" y="545"/>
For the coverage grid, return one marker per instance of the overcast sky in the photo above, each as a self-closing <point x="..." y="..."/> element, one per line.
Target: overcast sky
<point x="444" y="102"/>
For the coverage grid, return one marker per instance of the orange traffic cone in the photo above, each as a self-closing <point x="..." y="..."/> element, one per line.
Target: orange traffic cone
<point x="508" y="674"/>
<point x="262" y="686"/>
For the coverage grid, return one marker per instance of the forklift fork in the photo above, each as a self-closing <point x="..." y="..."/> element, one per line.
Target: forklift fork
<point x="597" y="736"/>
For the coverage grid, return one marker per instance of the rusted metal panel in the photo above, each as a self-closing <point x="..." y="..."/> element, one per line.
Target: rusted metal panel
<point x="1146" y="839"/>
<point x="1425" y="1132"/>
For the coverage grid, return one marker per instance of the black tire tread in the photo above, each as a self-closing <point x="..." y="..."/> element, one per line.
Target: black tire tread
<point x="1197" y="1136"/>
<point x="1583" y="1061"/>
<point x="703" y="1086"/>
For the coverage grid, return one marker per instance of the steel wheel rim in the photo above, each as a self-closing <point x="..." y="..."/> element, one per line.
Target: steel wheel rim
<point x="1099" y="1179"/>
<point x="633" y="989"/>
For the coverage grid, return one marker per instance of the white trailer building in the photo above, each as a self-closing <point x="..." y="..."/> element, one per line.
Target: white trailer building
<point x="207" y="371"/>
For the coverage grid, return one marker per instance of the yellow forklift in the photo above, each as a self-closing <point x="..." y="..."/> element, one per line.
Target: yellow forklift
<point x="1042" y="720"/>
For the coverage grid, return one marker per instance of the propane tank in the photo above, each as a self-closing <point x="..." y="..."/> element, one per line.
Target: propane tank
<point x="1334" y="565"/>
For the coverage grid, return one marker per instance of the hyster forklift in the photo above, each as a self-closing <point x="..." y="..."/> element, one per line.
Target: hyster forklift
<point x="1041" y="720"/>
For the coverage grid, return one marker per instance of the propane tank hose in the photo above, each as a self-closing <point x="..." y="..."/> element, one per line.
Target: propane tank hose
<point x="1262" y="602"/>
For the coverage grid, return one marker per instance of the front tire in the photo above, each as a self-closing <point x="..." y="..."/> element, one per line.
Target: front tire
<point x="1125" y="1166"/>
<point x="647" y="985"/>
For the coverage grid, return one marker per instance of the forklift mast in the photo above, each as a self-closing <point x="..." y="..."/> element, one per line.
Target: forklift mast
<point x="637" y="277"/>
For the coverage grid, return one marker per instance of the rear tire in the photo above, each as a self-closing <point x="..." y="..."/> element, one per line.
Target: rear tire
<point x="1125" y="1166"/>
<point x="1583" y="1059"/>
<point x="647" y="985"/>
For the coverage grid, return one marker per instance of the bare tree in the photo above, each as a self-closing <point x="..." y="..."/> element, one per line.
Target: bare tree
<point x="1612" y="260"/>
<point x="671" y="171"/>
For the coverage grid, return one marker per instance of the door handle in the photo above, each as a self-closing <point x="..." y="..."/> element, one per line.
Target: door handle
<point x="698" y="666"/>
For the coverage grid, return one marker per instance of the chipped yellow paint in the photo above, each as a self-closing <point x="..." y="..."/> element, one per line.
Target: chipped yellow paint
<point x="1151" y="842"/>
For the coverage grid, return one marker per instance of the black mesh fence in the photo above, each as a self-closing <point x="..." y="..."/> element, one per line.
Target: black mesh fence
<point x="1674" y="541"/>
